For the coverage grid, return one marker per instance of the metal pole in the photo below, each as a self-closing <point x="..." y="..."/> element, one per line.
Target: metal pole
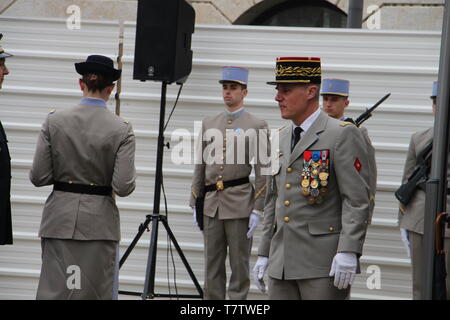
<point x="149" y="285"/>
<point x="355" y="10"/>
<point x="436" y="188"/>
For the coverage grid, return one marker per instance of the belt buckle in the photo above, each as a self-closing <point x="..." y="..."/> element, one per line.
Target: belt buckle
<point x="219" y="185"/>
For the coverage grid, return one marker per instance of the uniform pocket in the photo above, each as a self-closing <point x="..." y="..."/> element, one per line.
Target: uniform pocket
<point x="324" y="227"/>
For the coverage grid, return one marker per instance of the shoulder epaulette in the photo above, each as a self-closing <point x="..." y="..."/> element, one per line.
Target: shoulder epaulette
<point x="346" y="123"/>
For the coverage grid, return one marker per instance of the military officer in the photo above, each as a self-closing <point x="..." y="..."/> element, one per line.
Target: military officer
<point x="5" y="168"/>
<point x="317" y="201"/>
<point x="232" y="204"/>
<point x="86" y="152"/>
<point x="335" y="100"/>
<point x="411" y="216"/>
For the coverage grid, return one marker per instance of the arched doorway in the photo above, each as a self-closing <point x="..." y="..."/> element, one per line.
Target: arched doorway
<point x="294" y="13"/>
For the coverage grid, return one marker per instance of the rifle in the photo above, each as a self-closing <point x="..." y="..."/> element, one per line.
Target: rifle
<point x="368" y="113"/>
<point x="408" y="189"/>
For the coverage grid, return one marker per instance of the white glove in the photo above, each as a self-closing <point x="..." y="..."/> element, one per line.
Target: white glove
<point x="343" y="269"/>
<point x="405" y="238"/>
<point x="252" y="224"/>
<point x="258" y="272"/>
<point x="194" y="218"/>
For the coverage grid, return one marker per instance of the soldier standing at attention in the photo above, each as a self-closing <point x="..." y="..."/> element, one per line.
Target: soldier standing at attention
<point x="232" y="205"/>
<point x="411" y="216"/>
<point x="335" y="94"/>
<point x="5" y="168"/>
<point x="86" y="152"/>
<point x="317" y="201"/>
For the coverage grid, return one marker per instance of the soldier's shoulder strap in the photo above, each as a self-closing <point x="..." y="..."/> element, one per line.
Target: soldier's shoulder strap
<point x="346" y="123"/>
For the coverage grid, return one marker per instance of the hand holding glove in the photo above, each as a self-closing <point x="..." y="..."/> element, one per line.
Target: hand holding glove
<point x="258" y="272"/>
<point x="343" y="269"/>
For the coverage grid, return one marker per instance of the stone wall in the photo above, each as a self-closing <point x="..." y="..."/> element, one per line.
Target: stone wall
<point x="395" y="14"/>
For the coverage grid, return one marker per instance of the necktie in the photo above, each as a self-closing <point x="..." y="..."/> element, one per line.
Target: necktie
<point x="297" y="132"/>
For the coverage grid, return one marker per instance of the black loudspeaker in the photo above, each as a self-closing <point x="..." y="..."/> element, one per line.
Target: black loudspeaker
<point x="164" y="30"/>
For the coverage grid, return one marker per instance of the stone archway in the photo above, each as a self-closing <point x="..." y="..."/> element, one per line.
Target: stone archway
<point x="303" y="13"/>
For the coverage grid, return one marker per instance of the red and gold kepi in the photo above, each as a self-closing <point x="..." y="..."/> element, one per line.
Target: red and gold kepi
<point x="299" y="70"/>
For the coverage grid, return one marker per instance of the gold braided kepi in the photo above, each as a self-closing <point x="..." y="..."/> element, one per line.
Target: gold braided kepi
<point x="297" y="70"/>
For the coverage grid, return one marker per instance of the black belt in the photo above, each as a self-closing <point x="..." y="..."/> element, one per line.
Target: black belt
<point x="82" y="188"/>
<point x="220" y="185"/>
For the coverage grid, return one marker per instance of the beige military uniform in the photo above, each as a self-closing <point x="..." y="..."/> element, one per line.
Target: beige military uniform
<point x="91" y="146"/>
<point x="226" y="212"/>
<point x="372" y="169"/>
<point x="301" y="236"/>
<point x="411" y="217"/>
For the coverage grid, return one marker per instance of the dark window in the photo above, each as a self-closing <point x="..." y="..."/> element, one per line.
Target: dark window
<point x="294" y="13"/>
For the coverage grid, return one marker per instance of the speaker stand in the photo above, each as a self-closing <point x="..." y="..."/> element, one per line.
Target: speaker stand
<point x="155" y="218"/>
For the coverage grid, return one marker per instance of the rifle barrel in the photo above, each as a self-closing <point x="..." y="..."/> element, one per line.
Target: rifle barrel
<point x="368" y="112"/>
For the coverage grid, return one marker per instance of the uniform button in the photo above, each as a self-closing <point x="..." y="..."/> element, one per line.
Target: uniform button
<point x="224" y="139"/>
<point x="220" y="177"/>
<point x="229" y="121"/>
<point x="222" y="158"/>
<point x="224" y="149"/>
<point x="286" y="219"/>
<point x="331" y="228"/>
<point x="70" y="181"/>
<point x="288" y="185"/>
<point x="287" y="203"/>
<point x="289" y="169"/>
<point x="221" y="167"/>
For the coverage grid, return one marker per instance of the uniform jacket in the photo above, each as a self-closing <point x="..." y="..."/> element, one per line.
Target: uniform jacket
<point x="372" y="169"/>
<point x="238" y="201"/>
<point x="5" y="190"/>
<point x="300" y="238"/>
<point x="86" y="145"/>
<point x="411" y="217"/>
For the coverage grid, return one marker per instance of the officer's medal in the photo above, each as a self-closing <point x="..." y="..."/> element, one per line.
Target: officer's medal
<point x="315" y="175"/>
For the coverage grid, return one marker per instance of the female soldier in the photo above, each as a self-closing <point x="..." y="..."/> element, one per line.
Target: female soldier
<point x="86" y="152"/>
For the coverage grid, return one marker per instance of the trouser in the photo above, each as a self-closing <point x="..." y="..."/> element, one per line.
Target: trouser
<point x="306" y="289"/>
<point x="416" y="243"/>
<point x="77" y="270"/>
<point x="218" y="236"/>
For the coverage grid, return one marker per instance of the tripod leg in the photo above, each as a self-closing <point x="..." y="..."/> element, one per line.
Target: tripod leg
<point x="183" y="258"/>
<point x="142" y="228"/>
<point x="149" y="286"/>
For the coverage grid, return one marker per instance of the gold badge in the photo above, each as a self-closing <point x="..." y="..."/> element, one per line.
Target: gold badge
<point x="323" y="175"/>
<point x="314" y="184"/>
<point x="305" y="183"/>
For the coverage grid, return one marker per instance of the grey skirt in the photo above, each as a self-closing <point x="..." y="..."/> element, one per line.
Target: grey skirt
<point x="77" y="269"/>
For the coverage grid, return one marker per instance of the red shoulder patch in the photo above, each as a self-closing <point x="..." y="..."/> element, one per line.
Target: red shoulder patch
<point x="357" y="165"/>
